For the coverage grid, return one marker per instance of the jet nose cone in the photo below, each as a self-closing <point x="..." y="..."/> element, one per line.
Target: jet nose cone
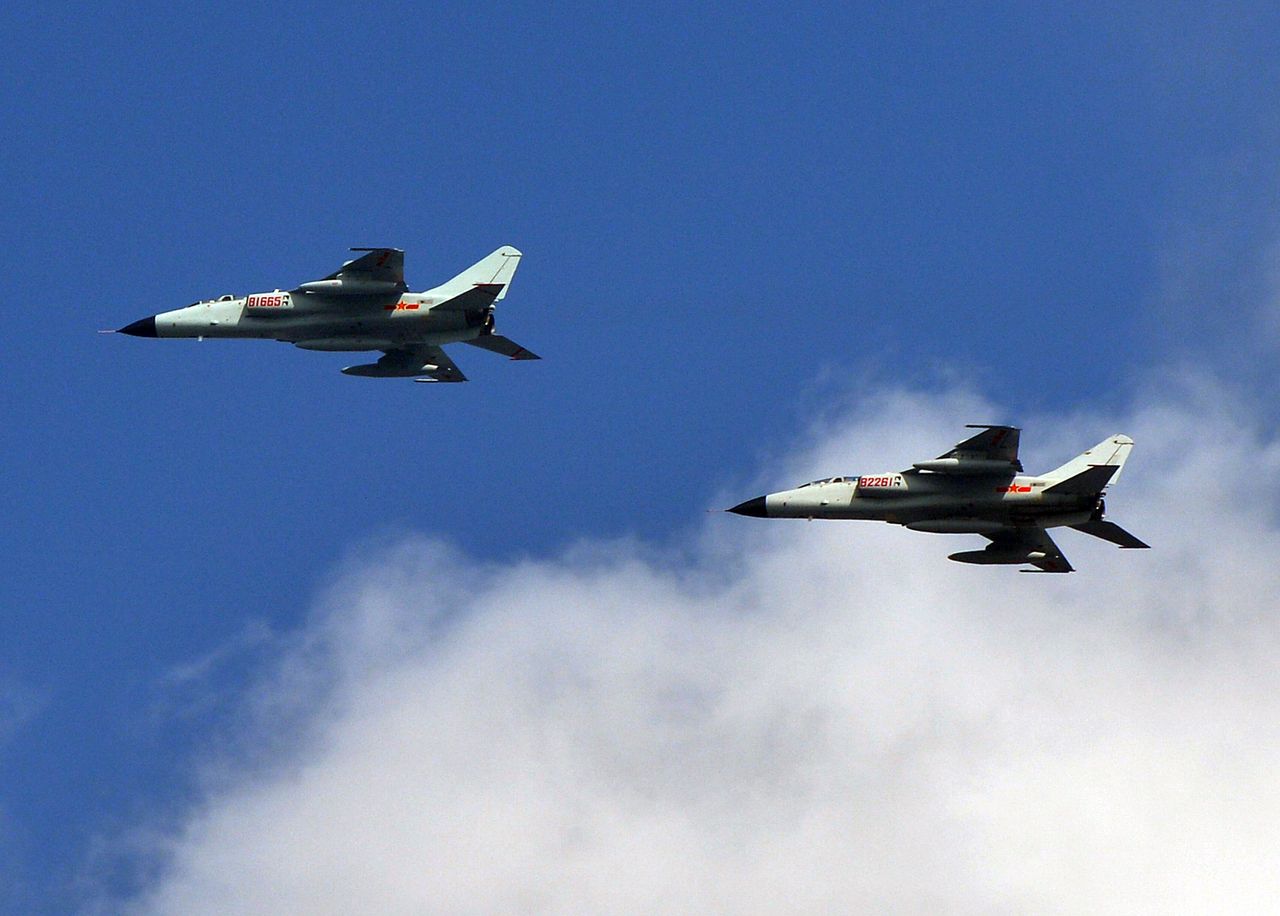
<point x="753" y="507"/>
<point x="146" y="327"/>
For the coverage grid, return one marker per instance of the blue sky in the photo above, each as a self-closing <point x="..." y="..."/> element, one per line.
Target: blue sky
<point x="730" y="220"/>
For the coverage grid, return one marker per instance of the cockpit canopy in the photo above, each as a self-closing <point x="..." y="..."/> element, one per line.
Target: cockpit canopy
<point x="226" y="297"/>
<point x="827" y="480"/>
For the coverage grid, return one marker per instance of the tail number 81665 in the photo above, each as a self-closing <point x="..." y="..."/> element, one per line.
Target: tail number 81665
<point x="269" y="301"/>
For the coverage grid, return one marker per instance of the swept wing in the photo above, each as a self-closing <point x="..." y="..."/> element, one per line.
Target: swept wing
<point x="383" y="265"/>
<point x="1029" y="545"/>
<point x="992" y="451"/>
<point x="424" y="360"/>
<point x="994" y="443"/>
<point x="375" y="278"/>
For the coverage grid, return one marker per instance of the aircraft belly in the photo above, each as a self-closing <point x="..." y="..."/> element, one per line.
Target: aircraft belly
<point x="377" y="329"/>
<point x="979" y="508"/>
<point x="889" y="510"/>
<point x="901" y="510"/>
<point x="854" y="512"/>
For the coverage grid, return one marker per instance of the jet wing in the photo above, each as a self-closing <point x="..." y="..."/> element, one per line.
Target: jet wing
<point x="371" y="281"/>
<point x="437" y="365"/>
<point x="994" y="443"/>
<point x="1039" y="548"/>
<point x="476" y="299"/>
<point x="992" y="451"/>
<point x="410" y="361"/>
<point x="383" y="265"/>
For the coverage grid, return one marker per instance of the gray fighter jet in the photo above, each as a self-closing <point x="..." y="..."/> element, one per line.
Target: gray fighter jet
<point x="976" y="488"/>
<point x="365" y="305"/>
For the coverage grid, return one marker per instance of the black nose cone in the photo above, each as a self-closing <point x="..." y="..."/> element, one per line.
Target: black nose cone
<point x="752" y="507"/>
<point x="143" y="328"/>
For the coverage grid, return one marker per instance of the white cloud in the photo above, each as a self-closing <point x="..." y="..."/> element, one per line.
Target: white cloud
<point x="19" y="704"/>
<point x="802" y="717"/>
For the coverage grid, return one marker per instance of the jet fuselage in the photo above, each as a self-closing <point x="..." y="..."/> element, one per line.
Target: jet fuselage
<point x="975" y="488"/>
<point x="364" y="305"/>
<point x="924" y="501"/>
<point x="319" y="322"/>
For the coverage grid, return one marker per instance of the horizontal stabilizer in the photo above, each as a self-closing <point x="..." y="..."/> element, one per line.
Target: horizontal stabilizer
<point x="1110" y="531"/>
<point x="476" y="299"/>
<point x="1087" y="482"/>
<point x="496" y="343"/>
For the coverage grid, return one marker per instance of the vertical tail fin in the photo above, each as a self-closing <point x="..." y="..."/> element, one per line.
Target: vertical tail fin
<point x="1109" y="453"/>
<point x="495" y="270"/>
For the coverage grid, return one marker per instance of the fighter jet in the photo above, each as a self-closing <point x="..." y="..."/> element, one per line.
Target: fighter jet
<point x="364" y="305"/>
<point x="976" y="488"/>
